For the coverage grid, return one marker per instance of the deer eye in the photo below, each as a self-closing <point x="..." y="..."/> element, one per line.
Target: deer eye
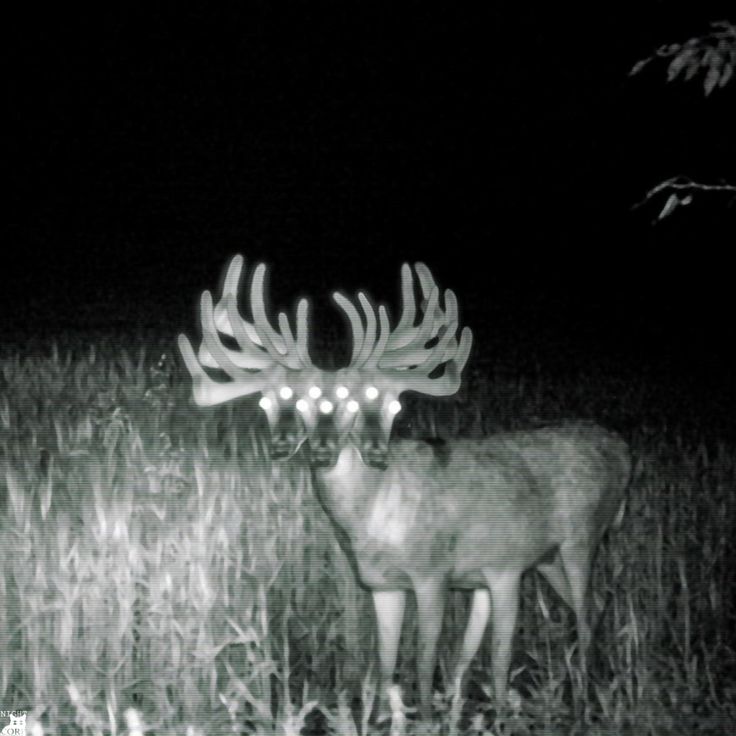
<point x="265" y="403"/>
<point x="371" y="393"/>
<point x="352" y="406"/>
<point x="315" y="392"/>
<point x="394" y="407"/>
<point x="302" y="406"/>
<point x="286" y="392"/>
<point x="342" y="392"/>
<point x="326" y="406"/>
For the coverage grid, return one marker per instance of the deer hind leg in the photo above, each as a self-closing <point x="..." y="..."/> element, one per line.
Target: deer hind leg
<point x="554" y="574"/>
<point x="576" y="560"/>
<point x="430" y="593"/>
<point x="389" y="606"/>
<point x="504" y="588"/>
<point x="480" y="611"/>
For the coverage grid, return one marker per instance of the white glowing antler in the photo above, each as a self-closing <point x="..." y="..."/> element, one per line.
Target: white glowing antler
<point x="402" y="355"/>
<point x="262" y="352"/>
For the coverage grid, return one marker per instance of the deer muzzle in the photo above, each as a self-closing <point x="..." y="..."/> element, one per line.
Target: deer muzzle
<point x="287" y="436"/>
<point x="372" y="442"/>
<point x="324" y="443"/>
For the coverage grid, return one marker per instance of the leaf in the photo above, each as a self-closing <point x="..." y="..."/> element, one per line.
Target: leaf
<point x="668" y="49"/>
<point x="639" y="66"/>
<point x="692" y="67"/>
<point x="669" y="206"/>
<point x="726" y="74"/>
<point x="711" y="79"/>
<point x="678" y="63"/>
<point x="710" y="58"/>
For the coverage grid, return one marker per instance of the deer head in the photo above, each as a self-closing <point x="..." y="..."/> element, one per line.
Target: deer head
<point x="329" y="408"/>
<point x="260" y="360"/>
<point x="386" y="362"/>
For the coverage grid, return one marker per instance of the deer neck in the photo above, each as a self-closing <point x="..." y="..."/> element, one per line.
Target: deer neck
<point x="348" y="465"/>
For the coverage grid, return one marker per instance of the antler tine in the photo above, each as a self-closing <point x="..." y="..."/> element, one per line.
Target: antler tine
<point x="428" y="326"/>
<point x="227" y="321"/>
<point x="402" y="355"/>
<point x="272" y="341"/>
<point x="302" y="332"/>
<point x="380" y="344"/>
<point x="226" y="310"/>
<point x="229" y="288"/>
<point x="252" y="354"/>
<point x="356" y="324"/>
<point x="463" y="350"/>
<point x="280" y="346"/>
<point x="225" y="359"/>
<point x="427" y="283"/>
<point x="367" y="349"/>
<point x="298" y="347"/>
<point x="248" y="356"/>
<point x="405" y="332"/>
<point x="417" y="378"/>
<point x="409" y="310"/>
<point x="416" y="354"/>
<point x="207" y="392"/>
<point x="261" y="350"/>
<point x="369" y="339"/>
<point x="426" y="280"/>
<point x="404" y="336"/>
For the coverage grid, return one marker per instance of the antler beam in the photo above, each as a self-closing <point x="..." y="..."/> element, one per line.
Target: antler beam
<point x="262" y="353"/>
<point x="402" y="355"/>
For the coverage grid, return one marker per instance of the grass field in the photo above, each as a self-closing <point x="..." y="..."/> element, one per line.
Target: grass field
<point x="159" y="575"/>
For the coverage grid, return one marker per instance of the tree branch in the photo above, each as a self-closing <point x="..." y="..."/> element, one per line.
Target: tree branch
<point x="681" y="189"/>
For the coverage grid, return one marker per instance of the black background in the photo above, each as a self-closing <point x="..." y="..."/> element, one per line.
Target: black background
<point x="500" y="143"/>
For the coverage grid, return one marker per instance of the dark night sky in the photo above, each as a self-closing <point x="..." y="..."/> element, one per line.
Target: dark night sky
<point x="502" y="145"/>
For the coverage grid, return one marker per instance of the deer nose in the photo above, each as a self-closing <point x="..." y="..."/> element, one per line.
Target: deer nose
<point x="286" y="435"/>
<point x="376" y="456"/>
<point x="375" y="444"/>
<point x="281" y="447"/>
<point x="372" y="441"/>
<point x="323" y="444"/>
<point x="323" y="453"/>
<point x="374" y="450"/>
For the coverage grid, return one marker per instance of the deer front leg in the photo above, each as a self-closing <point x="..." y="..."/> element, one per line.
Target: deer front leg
<point x="480" y="611"/>
<point x="430" y="595"/>
<point x="504" y="589"/>
<point x="389" y="606"/>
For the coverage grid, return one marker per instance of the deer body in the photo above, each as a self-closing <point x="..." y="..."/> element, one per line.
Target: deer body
<point x="503" y="502"/>
<point x="477" y="517"/>
<point x="414" y="516"/>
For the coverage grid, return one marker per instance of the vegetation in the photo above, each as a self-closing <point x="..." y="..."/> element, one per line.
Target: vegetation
<point x="711" y="56"/>
<point x="159" y="575"/>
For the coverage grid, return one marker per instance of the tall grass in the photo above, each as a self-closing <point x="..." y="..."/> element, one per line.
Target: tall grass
<point x="158" y="574"/>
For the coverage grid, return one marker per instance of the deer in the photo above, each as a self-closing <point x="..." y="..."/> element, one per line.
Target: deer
<point x="425" y="517"/>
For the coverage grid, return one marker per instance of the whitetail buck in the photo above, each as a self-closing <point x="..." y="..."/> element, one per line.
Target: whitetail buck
<point x="472" y="514"/>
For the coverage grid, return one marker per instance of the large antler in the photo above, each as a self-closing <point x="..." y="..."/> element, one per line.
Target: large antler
<point x="262" y="352"/>
<point x="402" y="355"/>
